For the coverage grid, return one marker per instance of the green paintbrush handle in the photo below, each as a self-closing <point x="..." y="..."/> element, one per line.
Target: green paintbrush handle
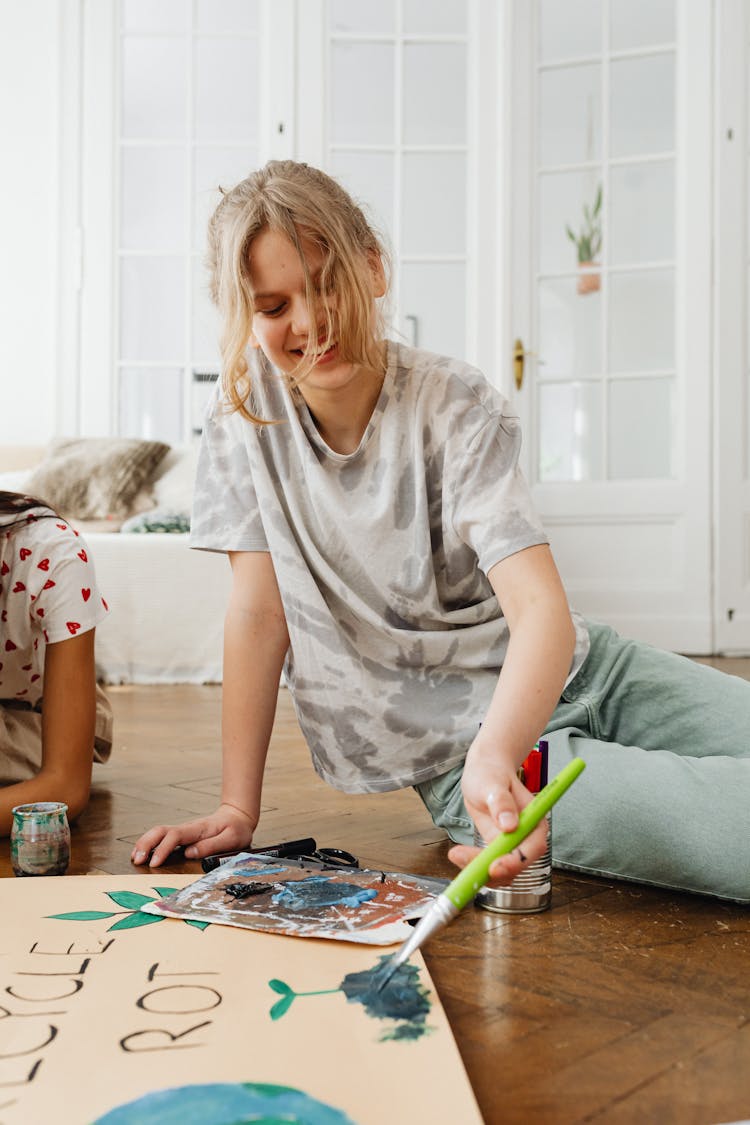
<point x="474" y="876"/>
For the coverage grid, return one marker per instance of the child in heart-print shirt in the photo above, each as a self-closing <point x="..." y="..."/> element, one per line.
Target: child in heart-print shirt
<point x="54" y="719"/>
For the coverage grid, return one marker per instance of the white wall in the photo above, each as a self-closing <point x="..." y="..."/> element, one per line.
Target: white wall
<point x="29" y="189"/>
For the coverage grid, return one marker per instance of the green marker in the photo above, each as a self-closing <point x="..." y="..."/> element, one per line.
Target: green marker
<point x="465" y="886"/>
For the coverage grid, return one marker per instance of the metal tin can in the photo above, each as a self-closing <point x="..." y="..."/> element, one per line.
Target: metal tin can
<point x="40" y="839"/>
<point x="529" y="893"/>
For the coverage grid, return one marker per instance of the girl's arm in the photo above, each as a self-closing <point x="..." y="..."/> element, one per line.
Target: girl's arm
<point x="68" y="722"/>
<point x="540" y="650"/>
<point x="255" y="644"/>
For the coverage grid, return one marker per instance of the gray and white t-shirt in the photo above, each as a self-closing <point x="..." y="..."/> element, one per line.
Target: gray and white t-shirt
<point x="381" y="557"/>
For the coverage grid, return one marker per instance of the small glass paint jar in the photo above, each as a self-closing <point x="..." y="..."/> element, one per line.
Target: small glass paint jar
<point x="40" y="839"/>
<point x="529" y="893"/>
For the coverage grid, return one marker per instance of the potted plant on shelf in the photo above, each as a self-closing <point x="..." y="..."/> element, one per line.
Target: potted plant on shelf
<point x="588" y="243"/>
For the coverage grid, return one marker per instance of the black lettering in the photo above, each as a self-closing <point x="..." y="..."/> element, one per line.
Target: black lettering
<point x="71" y="949"/>
<point x="171" y="1046"/>
<point x="31" y="1050"/>
<point x="44" y="999"/>
<point x="65" y="972"/>
<point x="6" y="1012"/>
<point x="194" y="973"/>
<point x="183" y="1008"/>
<point x="29" y="1077"/>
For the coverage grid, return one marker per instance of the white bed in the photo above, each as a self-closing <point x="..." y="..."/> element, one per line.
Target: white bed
<point x="166" y="605"/>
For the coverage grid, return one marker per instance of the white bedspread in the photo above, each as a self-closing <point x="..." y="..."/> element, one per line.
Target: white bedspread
<point x="167" y="606"/>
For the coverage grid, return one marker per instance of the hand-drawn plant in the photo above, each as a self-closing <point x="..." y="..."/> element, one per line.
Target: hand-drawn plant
<point x="132" y="916"/>
<point x="402" y="998"/>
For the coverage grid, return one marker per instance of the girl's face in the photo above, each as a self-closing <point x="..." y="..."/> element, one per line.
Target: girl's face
<point x="282" y="325"/>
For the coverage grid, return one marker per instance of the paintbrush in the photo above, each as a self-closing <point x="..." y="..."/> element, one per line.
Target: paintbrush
<point x="468" y="882"/>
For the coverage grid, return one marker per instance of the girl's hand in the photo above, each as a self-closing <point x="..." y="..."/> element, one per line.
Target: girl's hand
<point x="494" y="796"/>
<point x="228" y="829"/>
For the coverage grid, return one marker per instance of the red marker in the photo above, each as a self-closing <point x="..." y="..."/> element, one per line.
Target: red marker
<point x="532" y="772"/>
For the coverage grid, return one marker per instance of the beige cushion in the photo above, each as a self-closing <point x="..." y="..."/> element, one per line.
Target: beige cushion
<point x="95" y="478"/>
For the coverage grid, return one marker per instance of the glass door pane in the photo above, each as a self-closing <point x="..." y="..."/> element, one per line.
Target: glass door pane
<point x="604" y="289"/>
<point x="400" y="143"/>
<point x="189" y="123"/>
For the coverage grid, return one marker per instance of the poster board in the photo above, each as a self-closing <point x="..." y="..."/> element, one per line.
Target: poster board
<point x="112" y="1015"/>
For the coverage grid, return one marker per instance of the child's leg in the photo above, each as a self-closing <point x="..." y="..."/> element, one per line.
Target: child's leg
<point x="665" y="798"/>
<point x="20" y="743"/>
<point x="654" y="817"/>
<point x="666" y="795"/>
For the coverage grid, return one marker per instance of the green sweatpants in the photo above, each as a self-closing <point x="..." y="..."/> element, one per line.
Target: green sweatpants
<point x="665" y="798"/>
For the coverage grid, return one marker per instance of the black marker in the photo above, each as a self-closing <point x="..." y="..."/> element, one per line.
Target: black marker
<point x="288" y="848"/>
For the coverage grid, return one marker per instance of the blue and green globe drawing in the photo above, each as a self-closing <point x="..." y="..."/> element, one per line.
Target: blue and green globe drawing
<point x="226" y="1103"/>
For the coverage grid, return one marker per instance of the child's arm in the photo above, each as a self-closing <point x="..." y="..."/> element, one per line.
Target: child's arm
<point x="542" y="641"/>
<point x="68" y="721"/>
<point x="255" y="644"/>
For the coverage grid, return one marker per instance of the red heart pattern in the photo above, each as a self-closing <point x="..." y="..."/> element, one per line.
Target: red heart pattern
<point x="24" y="553"/>
<point x="73" y="627"/>
<point x="48" y="584"/>
<point x="82" y="555"/>
<point x="43" y="565"/>
<point x="85" y="593"/>
<point x="4" y="569"/>
<point x="9" y="646"/>
<point x="19" y="586"/>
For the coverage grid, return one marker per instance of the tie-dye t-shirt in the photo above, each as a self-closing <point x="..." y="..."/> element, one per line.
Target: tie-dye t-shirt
<point x="381" y="557"/>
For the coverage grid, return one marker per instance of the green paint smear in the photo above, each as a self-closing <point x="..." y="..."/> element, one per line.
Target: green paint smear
<point x="131" y="918"/>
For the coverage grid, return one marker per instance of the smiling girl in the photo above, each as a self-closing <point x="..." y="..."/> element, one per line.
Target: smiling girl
<point x="386" y="554"/>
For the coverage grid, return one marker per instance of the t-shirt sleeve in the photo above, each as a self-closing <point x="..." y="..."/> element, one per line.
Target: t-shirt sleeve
<point x="67" y="601"/>
<point x="226" y="514"/>
<point x="492" y="507"/>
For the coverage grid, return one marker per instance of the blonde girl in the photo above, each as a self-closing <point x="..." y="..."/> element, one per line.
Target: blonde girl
<point x="386" y="554"/>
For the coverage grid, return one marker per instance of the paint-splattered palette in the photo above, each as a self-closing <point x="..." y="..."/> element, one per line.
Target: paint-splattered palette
<point x="288" y="897"/>
<point x="115" y="1016"/>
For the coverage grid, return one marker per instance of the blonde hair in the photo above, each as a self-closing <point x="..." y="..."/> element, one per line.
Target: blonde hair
<point x="300" y="202"/>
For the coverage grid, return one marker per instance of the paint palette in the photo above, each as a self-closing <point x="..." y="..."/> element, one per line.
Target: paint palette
<point x="303" y="900"/>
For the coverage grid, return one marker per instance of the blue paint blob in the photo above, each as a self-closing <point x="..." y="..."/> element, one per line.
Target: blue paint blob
<point x="226" y="1103"/>
<point x="320" y="891"/>
<point x="402" y="998"/>
<point x="254" y="872"/>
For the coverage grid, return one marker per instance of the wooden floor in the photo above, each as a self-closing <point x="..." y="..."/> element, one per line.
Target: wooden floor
<point x="620" y="1004"/>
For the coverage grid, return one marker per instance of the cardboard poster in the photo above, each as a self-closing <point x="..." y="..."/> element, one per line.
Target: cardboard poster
<point x="111" y="1015"/>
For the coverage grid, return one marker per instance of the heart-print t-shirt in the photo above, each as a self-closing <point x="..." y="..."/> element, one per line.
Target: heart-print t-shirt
<point x="48" y="593"/>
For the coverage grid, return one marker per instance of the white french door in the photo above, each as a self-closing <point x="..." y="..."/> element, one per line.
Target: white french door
<point x="732" y="403"/>
<point x="611" y="296"/>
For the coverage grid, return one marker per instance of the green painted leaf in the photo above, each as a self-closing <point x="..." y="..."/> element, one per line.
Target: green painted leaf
<point x="82" y="916"/>
<point x="281" y="1006"/>
<point x="198" y="925"/>
<point x="279" y="986"/>
<point x="131" y="921"/>
<point x="129" y="899"/>
<point x="164" y="891"/>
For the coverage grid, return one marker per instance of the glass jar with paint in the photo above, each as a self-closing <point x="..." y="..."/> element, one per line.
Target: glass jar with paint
<point x="40" y="839"/>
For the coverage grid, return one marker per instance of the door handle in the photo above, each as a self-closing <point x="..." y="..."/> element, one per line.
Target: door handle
<point x="519" y="352"/>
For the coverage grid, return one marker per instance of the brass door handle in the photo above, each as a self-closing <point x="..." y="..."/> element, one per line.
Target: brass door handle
<point x="518" y="357"/>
